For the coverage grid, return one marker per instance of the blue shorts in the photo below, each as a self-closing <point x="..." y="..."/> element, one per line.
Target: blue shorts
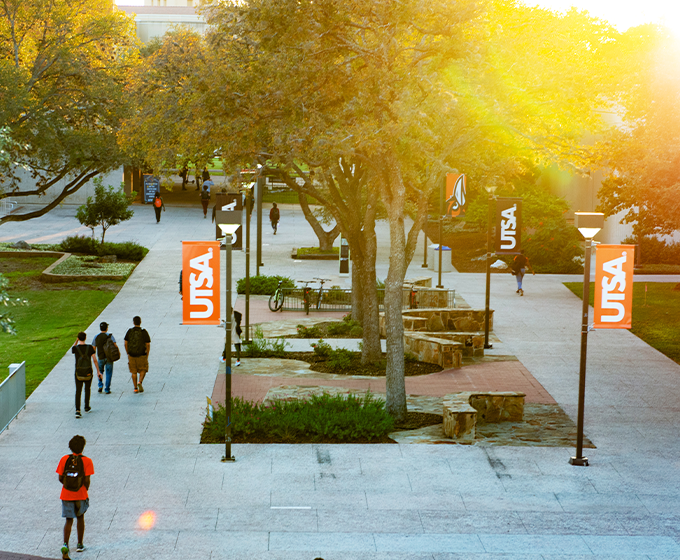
<point x="77" y="508"/>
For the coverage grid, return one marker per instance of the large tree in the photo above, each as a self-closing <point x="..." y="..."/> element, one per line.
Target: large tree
<point x="62" y="73"/>
<point x="643" y="153"/>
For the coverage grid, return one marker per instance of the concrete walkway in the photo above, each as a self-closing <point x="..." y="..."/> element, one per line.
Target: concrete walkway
<point x="346" y="501"/>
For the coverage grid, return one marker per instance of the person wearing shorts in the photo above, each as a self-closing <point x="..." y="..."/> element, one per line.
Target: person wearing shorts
<point x="138" y="346"/>
<point x="74" y="504"/>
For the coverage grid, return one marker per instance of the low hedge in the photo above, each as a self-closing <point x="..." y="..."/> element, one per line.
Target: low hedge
<point x="330" y="419"/>
<point x="263" y="285"/>
<point x="127" y="251"/>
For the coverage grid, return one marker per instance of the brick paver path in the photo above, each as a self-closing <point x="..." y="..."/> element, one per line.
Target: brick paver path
<point x="496" y="376"/>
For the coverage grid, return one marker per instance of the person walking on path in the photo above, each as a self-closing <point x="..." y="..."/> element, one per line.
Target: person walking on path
<point x="84" y="354"/>
<point x="197" y="177"/>
<point x="158" y="205"/>
<point x="205" y="175"/>
<point x="105" y="364"/>
<point x="205" y="200"/>
<point x="137" y="346"/>
<point x="184" y="175"/>
<point x="74" y="472"/>
<point x="274" y="216"/>
<point x="518" y="268"/>
<point x="236" y="332"/>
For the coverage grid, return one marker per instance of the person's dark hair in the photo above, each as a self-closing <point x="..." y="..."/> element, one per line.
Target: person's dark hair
<point x="103" y="326"/>
<point x="77" y="444"/>
<point x="158" y="193"/>
<point x="274" y="204"/>
<point x="82" y="336"/>
<point x="136" y="320"/>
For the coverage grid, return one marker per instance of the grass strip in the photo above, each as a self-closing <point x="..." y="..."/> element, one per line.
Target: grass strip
<point x="656" y="314"/>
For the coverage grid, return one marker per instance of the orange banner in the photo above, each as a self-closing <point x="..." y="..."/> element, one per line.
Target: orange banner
<point x="456" y="195"/>
<point x="614" y="286"/>
<point x="201" y="282"/>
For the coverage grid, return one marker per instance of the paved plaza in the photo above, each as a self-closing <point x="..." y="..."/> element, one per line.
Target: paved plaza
<point x="339" y="502"/>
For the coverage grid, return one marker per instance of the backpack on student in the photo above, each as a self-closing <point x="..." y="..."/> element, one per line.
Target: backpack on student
<point x="157" y="202"/>
<point x="74" y="473"/>
<point x="83" y="365"/>
<point x="136" y="345"/>
<point x="111" y="351"/>
<point x="205" y="195"/>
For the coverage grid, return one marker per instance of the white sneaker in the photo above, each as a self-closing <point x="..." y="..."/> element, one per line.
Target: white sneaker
<point x="238" y="363"/>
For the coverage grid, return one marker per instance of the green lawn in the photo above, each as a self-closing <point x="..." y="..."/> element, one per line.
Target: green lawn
<point x="48" y="325"/>
<point x="657" y="321"/>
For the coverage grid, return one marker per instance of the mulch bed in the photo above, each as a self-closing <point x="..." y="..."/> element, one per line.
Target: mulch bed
<point x="376" y="369"/>
<point x="323" y="332"/>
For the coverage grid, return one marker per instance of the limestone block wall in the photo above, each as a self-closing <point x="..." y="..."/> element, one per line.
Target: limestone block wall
<point x="463" y="411"/>
<point x="442" y="320"/>
<point x="446" y="353"/>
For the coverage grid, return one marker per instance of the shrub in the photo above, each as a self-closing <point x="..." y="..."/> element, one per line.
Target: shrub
<point x="356" y="332"/>
<point x="340" y="359"/>
<point x="79" y="244"/>
<point x="336" y="329"/>
<point x="261" y="347"/>
<point x="309" y="332"/>
<point x="263" y="285"/>
<point x="344" y="418"/>
<point x="322" y="349"/>
<point x="127" y="251"/>
<point x="655" y="251"/>
<point x="336" y="295"/>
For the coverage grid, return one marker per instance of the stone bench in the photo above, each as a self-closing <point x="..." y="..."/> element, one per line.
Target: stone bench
<point x="427" y="348"/>
<point x="462" y="411"/>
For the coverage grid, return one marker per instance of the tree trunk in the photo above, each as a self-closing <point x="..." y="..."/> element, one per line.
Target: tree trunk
<point x="371" y="350"/>
<point x="326" y="238"/>
<point x="394" y="198"/>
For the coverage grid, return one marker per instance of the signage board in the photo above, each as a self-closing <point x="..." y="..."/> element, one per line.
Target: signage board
<point x="152" y="185"/>
<point x="456" y="195"/>
<point x="508" y="226"/>
<point x="614" y="286"/>
<point x="201" y="282"/>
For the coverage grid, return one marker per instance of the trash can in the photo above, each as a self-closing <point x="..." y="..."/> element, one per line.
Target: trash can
<point x="434" y="258"/>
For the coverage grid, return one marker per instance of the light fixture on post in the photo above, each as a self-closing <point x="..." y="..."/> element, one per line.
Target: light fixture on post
<point x="491" y="189"/>
<point x="229" y="231"/>
<point x="588" y="223"/>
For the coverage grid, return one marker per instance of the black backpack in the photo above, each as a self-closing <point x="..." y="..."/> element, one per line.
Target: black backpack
<point x="74" y="473"/>
<point x="205" y="195"/>
<point x="83" y="364"/>
<point x="136" y="346"/>
<point x="111" y="351"/>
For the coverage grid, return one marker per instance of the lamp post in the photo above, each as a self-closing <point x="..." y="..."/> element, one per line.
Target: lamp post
<point x="491" y="190"/>
<point x="249" y="196"/>
<point x="229" y="231"/>
<point x="588" y="223"/>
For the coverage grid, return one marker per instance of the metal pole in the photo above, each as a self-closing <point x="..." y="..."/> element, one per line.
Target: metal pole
<point x="580" y="460"/>
<point x="441" y="229"/>
<point x="227" y="354"/>
<point x="258" y="202"/>
<point x="488" y="273"/>
<point x="248" y="212"/>
<point x="424" y="265"/>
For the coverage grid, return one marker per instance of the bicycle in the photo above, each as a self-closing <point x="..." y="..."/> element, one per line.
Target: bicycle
<point x="322" y="281"/>
<point x="276" y="299"/>
<point x="306" y="291"/>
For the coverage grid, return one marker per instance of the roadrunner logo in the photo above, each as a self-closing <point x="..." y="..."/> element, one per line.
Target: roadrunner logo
<point x="200" y="285"/>
<point x="613" y="288"/>
<point x="456" y="201"/>
<point x="509" y="228"/>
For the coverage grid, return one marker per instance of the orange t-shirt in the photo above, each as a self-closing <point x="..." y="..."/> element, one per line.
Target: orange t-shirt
<point x="81" y="494"/>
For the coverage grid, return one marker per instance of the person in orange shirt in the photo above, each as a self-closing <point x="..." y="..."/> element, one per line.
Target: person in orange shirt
<point x="74" y="472"/>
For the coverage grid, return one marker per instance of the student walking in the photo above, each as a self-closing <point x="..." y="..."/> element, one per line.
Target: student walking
<point x="205" y="199"/>
<point x="74" y="472"/>
<point x="274" y="216"/>
<point x="137" y="346"/>
<point x="518" y="268"/>
<point x="184" y="175"/>
<point x="104" y="359"/>
<point x="158" y="205"/>
<point x="236" y="336"/>
<point x="84" y="354"/>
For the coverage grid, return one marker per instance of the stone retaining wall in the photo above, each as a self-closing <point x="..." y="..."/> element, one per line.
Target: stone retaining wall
<point x="462" y="411"/>
<point x="447" y="353"/>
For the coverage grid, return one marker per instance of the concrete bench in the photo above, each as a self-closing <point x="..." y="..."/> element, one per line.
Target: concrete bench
<point x="462" y="411"/>
<point x="427" y="348"/>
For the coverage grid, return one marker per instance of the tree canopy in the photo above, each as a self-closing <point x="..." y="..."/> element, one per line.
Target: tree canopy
<point x="63" y="67"/>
